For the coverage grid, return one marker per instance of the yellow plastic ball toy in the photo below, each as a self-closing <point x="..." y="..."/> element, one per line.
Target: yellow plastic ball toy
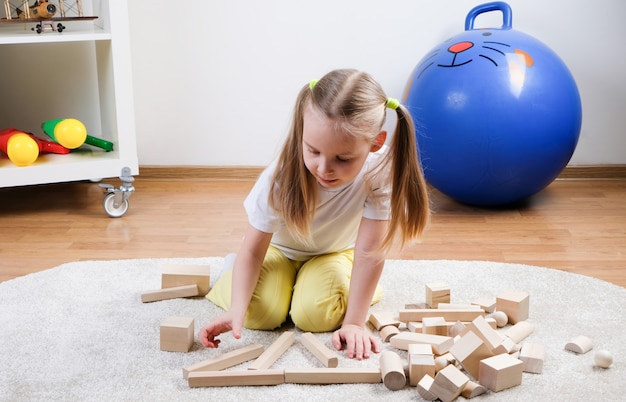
<point x="22" y="149"/>
<point x="70" y="133"/>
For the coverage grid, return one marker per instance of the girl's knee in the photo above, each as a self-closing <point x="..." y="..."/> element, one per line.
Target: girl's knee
<point x="266" y="314"/>
<point x="320" y="299"/>
<point x="322" y="316"/>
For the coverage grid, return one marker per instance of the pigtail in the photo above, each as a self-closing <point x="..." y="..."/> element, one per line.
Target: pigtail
<point x="410" y="209"/>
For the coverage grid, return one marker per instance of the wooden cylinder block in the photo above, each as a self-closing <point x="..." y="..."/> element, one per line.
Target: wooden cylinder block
<point x="392" y="370"/>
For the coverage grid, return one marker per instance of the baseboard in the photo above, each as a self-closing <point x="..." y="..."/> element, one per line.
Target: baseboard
<point x="252" y="172"/>
<point x="594" y="172"/>
<point x="200" y="172"/>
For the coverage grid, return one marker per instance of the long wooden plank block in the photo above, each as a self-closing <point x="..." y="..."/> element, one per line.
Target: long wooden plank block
<point x="226" y="360"/>
<point x="274" y="351"/>
<point x="170" y="293"/>
<point x="333" y="375"/>
<point x="440" y="344"/>
<point x="321" y="351"/>
<point x="236" y="378"/>
<point x="406" y="315"/>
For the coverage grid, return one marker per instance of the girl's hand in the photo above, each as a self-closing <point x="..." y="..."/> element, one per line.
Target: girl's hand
<point x="223" y="323"/>
<point x="359" y="342"/>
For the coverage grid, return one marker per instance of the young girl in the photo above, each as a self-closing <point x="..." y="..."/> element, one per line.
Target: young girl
<point x="322" y="217"/>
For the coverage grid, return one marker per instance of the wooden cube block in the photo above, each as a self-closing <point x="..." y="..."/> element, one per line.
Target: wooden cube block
<point x="437" y="293"/>
<point x="532" y="354"/>
<point x="514" y="304"/>
<point x="435" y="326"/>
<point x="424" y="386"/>
<point x="469" y="350"/>
<point x="185" y="274"/>
<point x="500" y="372"/>
<point x="177" y="334"/>
<point x="449" y="383"/>
<point x="421" y="362"/>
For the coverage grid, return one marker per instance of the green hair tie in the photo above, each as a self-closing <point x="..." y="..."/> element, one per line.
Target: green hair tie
<point x="392" y="103"/>
<point x="312" y="84"/>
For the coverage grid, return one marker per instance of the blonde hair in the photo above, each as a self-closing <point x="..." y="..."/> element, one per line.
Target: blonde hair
<point x="356" y="102"/>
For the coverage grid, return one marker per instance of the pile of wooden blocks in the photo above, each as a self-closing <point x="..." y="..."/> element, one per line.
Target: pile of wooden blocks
<point x="452" y="349"/>
<point x="455" y="349"/>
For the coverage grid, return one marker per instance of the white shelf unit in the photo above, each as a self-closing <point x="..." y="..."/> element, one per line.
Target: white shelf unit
<point x="84" y="73"/>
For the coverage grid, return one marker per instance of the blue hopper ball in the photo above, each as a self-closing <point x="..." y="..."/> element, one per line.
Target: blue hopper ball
<point x="497" y="113"/>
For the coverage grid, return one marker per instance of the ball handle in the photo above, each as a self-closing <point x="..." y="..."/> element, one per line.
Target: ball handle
<point x="507" y="14"/>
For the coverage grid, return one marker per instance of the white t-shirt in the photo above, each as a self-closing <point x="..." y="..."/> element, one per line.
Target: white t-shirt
<point x="337" y="215"/>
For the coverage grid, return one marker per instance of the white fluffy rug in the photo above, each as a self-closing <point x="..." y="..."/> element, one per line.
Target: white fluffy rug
<point x="79" y="332"/>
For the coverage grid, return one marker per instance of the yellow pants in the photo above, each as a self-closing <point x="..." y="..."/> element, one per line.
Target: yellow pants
<point x="314" y="292"/>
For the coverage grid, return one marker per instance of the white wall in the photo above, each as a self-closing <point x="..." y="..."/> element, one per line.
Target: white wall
<point x="215" y="81"/>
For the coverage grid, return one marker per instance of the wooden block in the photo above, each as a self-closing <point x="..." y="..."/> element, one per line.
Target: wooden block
<point x="458" y="328"/>
<point x="225" y="360"/>
<point x="387" y="332"/>
<point x="437" y="293"/>
<point x="420" y="349"/>
<point x="435" y="326"/>
<point x="173" y="275"/>
<point x="235" y="378"/>
<point x="392" y="370"/>
<point x="500" y="372"/>
<point x="383" y="319"/>
<point x="424" y="387"/>
<point x="332" y="375"/>
<point x="421" y="362"/>
<point x="469" y="350"/>
<point x="449" y="383"/>
<point x="514" y="304"/>
<point x="492" y="322"/>
<point x="501" y="318"/>
<point x="170" y="293"/>
<point x="414" y="326"/>
<point x="580" y="344"/>
<point x="486" y="303"/>
<point x="533" y="355"/>
<point x="440" y="363"/>
<point x="507" y="346"/>
<point x="440" y="344"/>
<point x="489" y="336"/>
<point x="319" y="350"/>
<point x="520" y="331"/>
<point x="457" y="306"/>
<point x="413" y="306"/>
<point x="176" y="334"/>
<point x="274" y="351"/>
<point x="406" y="315"/>
<point x="472" y="389"/>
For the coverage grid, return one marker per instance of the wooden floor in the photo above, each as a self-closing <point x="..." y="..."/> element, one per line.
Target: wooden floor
<point x="573" y="225"/>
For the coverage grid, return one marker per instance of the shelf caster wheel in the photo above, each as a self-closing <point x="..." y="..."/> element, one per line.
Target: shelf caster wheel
<point x="113" y="207"/>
